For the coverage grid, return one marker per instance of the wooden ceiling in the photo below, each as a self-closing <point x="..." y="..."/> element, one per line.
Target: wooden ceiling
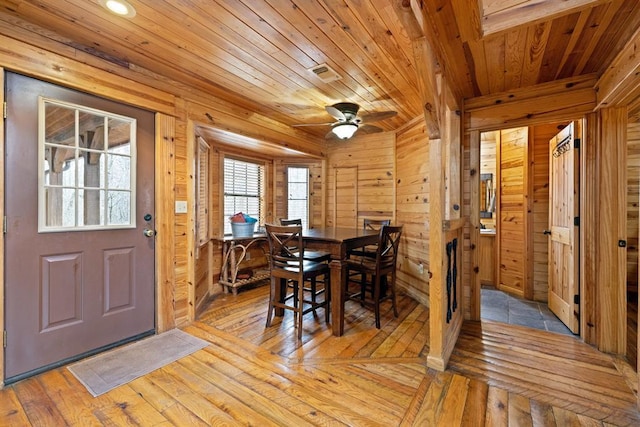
<point x="258" y="54"/>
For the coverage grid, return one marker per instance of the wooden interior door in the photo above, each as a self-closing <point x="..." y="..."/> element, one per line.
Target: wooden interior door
<point x="346" y="197"/>
<point x="564" y="286"/>
<point x="79" y="268"/>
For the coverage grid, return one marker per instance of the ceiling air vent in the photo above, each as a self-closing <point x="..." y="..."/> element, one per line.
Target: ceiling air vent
<point x="326" y="73"/>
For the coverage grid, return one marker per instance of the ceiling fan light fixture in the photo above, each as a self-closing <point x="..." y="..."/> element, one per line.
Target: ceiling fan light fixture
<point x="345" y="130"/>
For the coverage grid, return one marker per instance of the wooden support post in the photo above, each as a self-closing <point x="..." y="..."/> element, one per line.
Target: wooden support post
<point x="612" y="217"/>
<point x="437" y="271"/>
<point x="474" y="190"/>
<point x="164" y="224"/>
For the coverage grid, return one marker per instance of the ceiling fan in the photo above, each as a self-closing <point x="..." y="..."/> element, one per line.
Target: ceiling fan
<point x="348" y="122"/>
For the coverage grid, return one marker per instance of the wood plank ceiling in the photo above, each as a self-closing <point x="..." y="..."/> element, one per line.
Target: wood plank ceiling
<point x="258" y="54"/>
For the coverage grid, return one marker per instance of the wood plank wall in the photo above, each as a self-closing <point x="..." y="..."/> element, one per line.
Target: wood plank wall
<point x="372" y="193"/>
<point x="633" y="201"/>
<point x="412" y="209"/>
<point x="512" y="213"/>
<point x="184" y="303"/>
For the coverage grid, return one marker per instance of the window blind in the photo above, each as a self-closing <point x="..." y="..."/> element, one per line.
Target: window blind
<point x="243" y="190"/>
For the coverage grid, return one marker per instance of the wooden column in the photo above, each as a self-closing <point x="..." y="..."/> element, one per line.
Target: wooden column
<point x="474" y="189"/>
<point x="164" y="224"/>
<point x="588" y="230"/>
<point x="445" y="317"/>
<point x="437" y="272"/>
<point x="611" y="231"/>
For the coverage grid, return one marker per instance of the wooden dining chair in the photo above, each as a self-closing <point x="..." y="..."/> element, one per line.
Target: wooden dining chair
<point x="309" y="254"/>
<point x="288" y="266"/>
<point x="369" y="224"/>
<point x="378" y="274"/>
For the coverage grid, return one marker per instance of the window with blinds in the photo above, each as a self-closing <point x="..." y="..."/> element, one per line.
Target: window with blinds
<point x="243" y="190"/>
<point x="298" y="194"/>
<point x="202" y="208"/>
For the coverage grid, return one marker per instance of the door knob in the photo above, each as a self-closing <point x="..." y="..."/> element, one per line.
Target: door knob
<point x="149" y="233"/>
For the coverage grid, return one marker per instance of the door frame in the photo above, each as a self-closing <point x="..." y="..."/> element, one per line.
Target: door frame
<point x="474" y="216"/>
<point x="598" y="243"/>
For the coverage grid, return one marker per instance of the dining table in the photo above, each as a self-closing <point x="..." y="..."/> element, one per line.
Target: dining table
<point x="338" y="241"/>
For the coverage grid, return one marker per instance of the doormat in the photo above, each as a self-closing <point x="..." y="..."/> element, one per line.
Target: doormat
<point x="106" y="371"/>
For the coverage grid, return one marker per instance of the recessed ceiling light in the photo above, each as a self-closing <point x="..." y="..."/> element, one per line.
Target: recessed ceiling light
<point x="119" y="7"/>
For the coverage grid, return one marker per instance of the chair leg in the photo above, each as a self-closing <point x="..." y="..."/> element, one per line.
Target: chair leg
<point x="376" y="300"/>
<point x="313" y="287"/>
<point x="392" y="289"/>
<point x="300" y="308"/>
<point x="272" y="296"/>
<point x="363" y="287"/>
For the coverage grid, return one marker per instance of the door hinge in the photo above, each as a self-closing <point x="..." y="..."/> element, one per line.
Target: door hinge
<point x="4" y="338"/>
<point x="576" y="143"/>
<point x="576" y="221"/>
<point x="4" y="109"/>
<point x="576" y="299"/>
<point x="4" y="225"/>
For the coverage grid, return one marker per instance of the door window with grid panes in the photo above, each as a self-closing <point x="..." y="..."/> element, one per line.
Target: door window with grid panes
<point x="87" y="168"/>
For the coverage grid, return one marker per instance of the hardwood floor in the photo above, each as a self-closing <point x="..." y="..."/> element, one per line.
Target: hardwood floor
<point x="250" y="375"/>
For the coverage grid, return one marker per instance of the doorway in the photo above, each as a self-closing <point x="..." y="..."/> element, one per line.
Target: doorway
<point x="79" y="243"/>
<point x="516" y="288"/>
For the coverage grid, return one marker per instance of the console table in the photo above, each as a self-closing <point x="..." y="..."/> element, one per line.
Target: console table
<point x="234" y="250"/>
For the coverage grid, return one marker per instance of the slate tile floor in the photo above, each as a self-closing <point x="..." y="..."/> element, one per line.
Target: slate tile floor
<point x="502" y="307"/>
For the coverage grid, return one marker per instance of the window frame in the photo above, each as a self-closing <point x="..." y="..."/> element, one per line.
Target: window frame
<point x="203" y="197"/>
<point x="305" y="220"/>
<point x="261" y="185"/>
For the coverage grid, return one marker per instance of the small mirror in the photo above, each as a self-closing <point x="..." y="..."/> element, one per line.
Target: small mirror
<point x="486" y="195"/>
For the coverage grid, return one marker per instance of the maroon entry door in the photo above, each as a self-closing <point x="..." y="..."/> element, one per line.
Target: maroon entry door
<point x="79" y="268"/>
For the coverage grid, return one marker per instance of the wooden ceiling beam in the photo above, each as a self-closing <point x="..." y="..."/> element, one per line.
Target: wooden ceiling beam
<point x="561" y="99"/>
<point x="427" y="68"/>
<point x="250" y="126"/>
<point x="427" y="64"/>
<point x="500" y="15"/>
<point x="620" y="83"/>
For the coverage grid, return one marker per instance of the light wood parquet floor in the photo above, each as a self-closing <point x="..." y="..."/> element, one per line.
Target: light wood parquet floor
<point x="249" y="375"/>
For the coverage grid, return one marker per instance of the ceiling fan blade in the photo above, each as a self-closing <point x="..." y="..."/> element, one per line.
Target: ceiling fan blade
<point x="377" y="116"/>
<point x="334" y="112"/>
<point x="312" y="124"/>
<point x="364" y="128"/>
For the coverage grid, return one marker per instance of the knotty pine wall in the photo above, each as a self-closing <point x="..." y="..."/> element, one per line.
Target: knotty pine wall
<point x="512" y="212"/>
<point x="633" y="201"/>
<point x="412" y="209"/>
<point x="368" y="187"/>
